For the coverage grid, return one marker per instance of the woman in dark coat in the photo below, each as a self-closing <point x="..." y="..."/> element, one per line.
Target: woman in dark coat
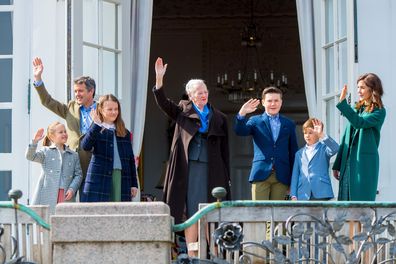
<point x="357" y="162"/>
<point x="199" y="155"/>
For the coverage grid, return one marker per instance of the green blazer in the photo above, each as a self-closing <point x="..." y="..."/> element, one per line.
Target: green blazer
<point x="71" y="113"/>
<point x="361" y="144"/>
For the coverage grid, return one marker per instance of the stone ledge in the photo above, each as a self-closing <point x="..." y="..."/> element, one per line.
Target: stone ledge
<point x="125" y="208"/>
<point x="92" y="228"/>
<point x="112" y="252"/>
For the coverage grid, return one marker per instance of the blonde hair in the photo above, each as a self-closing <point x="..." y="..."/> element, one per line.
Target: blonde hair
<point x="309" y="124"/>
<point x="119" y="123"/>
<point x="50" y="131"/>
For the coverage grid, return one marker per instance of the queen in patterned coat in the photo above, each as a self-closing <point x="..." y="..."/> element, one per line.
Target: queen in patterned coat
<point x="61" y="174"/>
<point x="357" y="162"/>
<point x="111" y="175"/>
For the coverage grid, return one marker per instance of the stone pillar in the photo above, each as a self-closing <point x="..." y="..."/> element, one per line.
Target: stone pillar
<point x="112" y="233"/>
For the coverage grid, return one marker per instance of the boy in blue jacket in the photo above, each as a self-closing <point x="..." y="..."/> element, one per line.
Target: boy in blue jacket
<point x="310" y="178"/>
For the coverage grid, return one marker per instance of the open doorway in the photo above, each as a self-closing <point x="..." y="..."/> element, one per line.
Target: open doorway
<point x="202" y="39"/>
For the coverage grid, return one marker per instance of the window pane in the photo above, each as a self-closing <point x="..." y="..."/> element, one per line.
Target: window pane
<point x="329" y="69"/>
<point x="119" y="76"/>
<point x="5" y="131"/>
<point x="5" y="184"/>
<point x="119" y="27"/>
<point x="109" y="25"/>
<point x="342" y="27"/>
<point x="6" y="2"/>
<point x="342" y="64"/>
<point x="6" y="80"/>
<point x="90" y="21"/>
<point x="90" y="63"/>
<point x="109" y="73"/>
<point x="6" y="33"/>
<point x="329" y="21"/>
<point x="330" y="118"/>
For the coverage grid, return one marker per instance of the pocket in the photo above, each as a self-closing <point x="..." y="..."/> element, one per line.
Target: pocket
<point x="325" y="179"/>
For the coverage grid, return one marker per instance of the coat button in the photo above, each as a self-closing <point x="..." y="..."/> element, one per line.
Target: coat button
<point x="111" y="145"/>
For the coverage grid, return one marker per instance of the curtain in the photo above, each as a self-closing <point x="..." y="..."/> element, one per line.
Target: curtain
<point x="137" y="51"/>
<point x="305" y="17"/>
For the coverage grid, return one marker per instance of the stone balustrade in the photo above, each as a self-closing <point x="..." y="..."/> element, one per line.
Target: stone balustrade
<point x="111" y="233"/>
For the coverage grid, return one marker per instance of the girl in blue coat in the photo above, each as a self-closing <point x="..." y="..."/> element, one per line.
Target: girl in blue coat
<point x="111" y="175"/>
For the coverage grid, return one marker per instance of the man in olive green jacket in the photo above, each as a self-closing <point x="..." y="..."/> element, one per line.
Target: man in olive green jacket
<point x="76" y="112"/>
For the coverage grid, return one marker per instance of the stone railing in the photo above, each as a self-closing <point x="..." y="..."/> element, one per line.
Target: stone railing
<point x="297" y="232"/>
<point x="112" y="233"/>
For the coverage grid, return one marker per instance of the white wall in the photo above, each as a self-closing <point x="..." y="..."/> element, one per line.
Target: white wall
<point x="376" y="25"/>
<point x="39" y="30"/>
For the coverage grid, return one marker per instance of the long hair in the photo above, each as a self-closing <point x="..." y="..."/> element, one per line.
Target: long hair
<point x="374" y="83"/>
<point x="119" y="123"/>
<point x="50" y="131"/>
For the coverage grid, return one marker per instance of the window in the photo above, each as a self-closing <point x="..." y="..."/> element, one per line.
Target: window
<point x="6" y="50"/>
<point x="102" y="44"/>
<point x="5" y="184"/>
<point x="335" y="41"/>
<point x="6" y="63"/>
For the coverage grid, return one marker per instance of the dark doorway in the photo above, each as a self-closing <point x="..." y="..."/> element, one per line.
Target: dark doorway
<point x="202" y="39"/>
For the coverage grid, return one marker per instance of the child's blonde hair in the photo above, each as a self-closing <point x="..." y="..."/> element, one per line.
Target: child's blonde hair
<point x="308" y="124"/>
<point x="50" y="131"/>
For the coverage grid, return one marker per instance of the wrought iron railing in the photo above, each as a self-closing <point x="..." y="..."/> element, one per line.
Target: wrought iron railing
<point x="295" y="232"/>
<point x="16" y="257"/>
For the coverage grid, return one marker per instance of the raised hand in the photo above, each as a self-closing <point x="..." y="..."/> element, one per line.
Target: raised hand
<point x="344" y="92"/>
<point x="38" y="68"/>
<point x="38" y="136"/>
<point x="318" y="127"/>
<point x="249" y="107"/>
<point x="160" y="70"/>
<point x="95" y="116"/>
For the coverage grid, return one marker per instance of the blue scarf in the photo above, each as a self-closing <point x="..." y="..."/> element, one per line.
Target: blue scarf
<point x="203" y="117"/>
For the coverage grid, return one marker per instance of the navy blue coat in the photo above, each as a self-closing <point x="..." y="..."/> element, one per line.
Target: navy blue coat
<point x="267" y="152"/>
<point x="98" y="183"/>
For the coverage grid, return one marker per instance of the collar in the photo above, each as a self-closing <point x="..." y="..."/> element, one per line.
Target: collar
<point x="273" y="117"/>
<point x="312" y="147"/>
<point x="205" y="111"/>
<point x="67" y="149"/>
<point x="89" y="108"/>
<point x="108" y="126"/>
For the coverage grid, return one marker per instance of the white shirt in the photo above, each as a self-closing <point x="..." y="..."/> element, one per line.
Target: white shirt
<point x="309" y="150"/>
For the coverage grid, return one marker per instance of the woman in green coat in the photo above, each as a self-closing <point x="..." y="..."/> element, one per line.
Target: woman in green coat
<point x="357" y="162"/>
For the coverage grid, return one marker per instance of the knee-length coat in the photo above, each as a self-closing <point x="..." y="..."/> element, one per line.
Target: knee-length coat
<point x="187" y="125"/>
<point x="55" y="167"/>
<point x="98" y="183"/>
<point x="360" y="144"/>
